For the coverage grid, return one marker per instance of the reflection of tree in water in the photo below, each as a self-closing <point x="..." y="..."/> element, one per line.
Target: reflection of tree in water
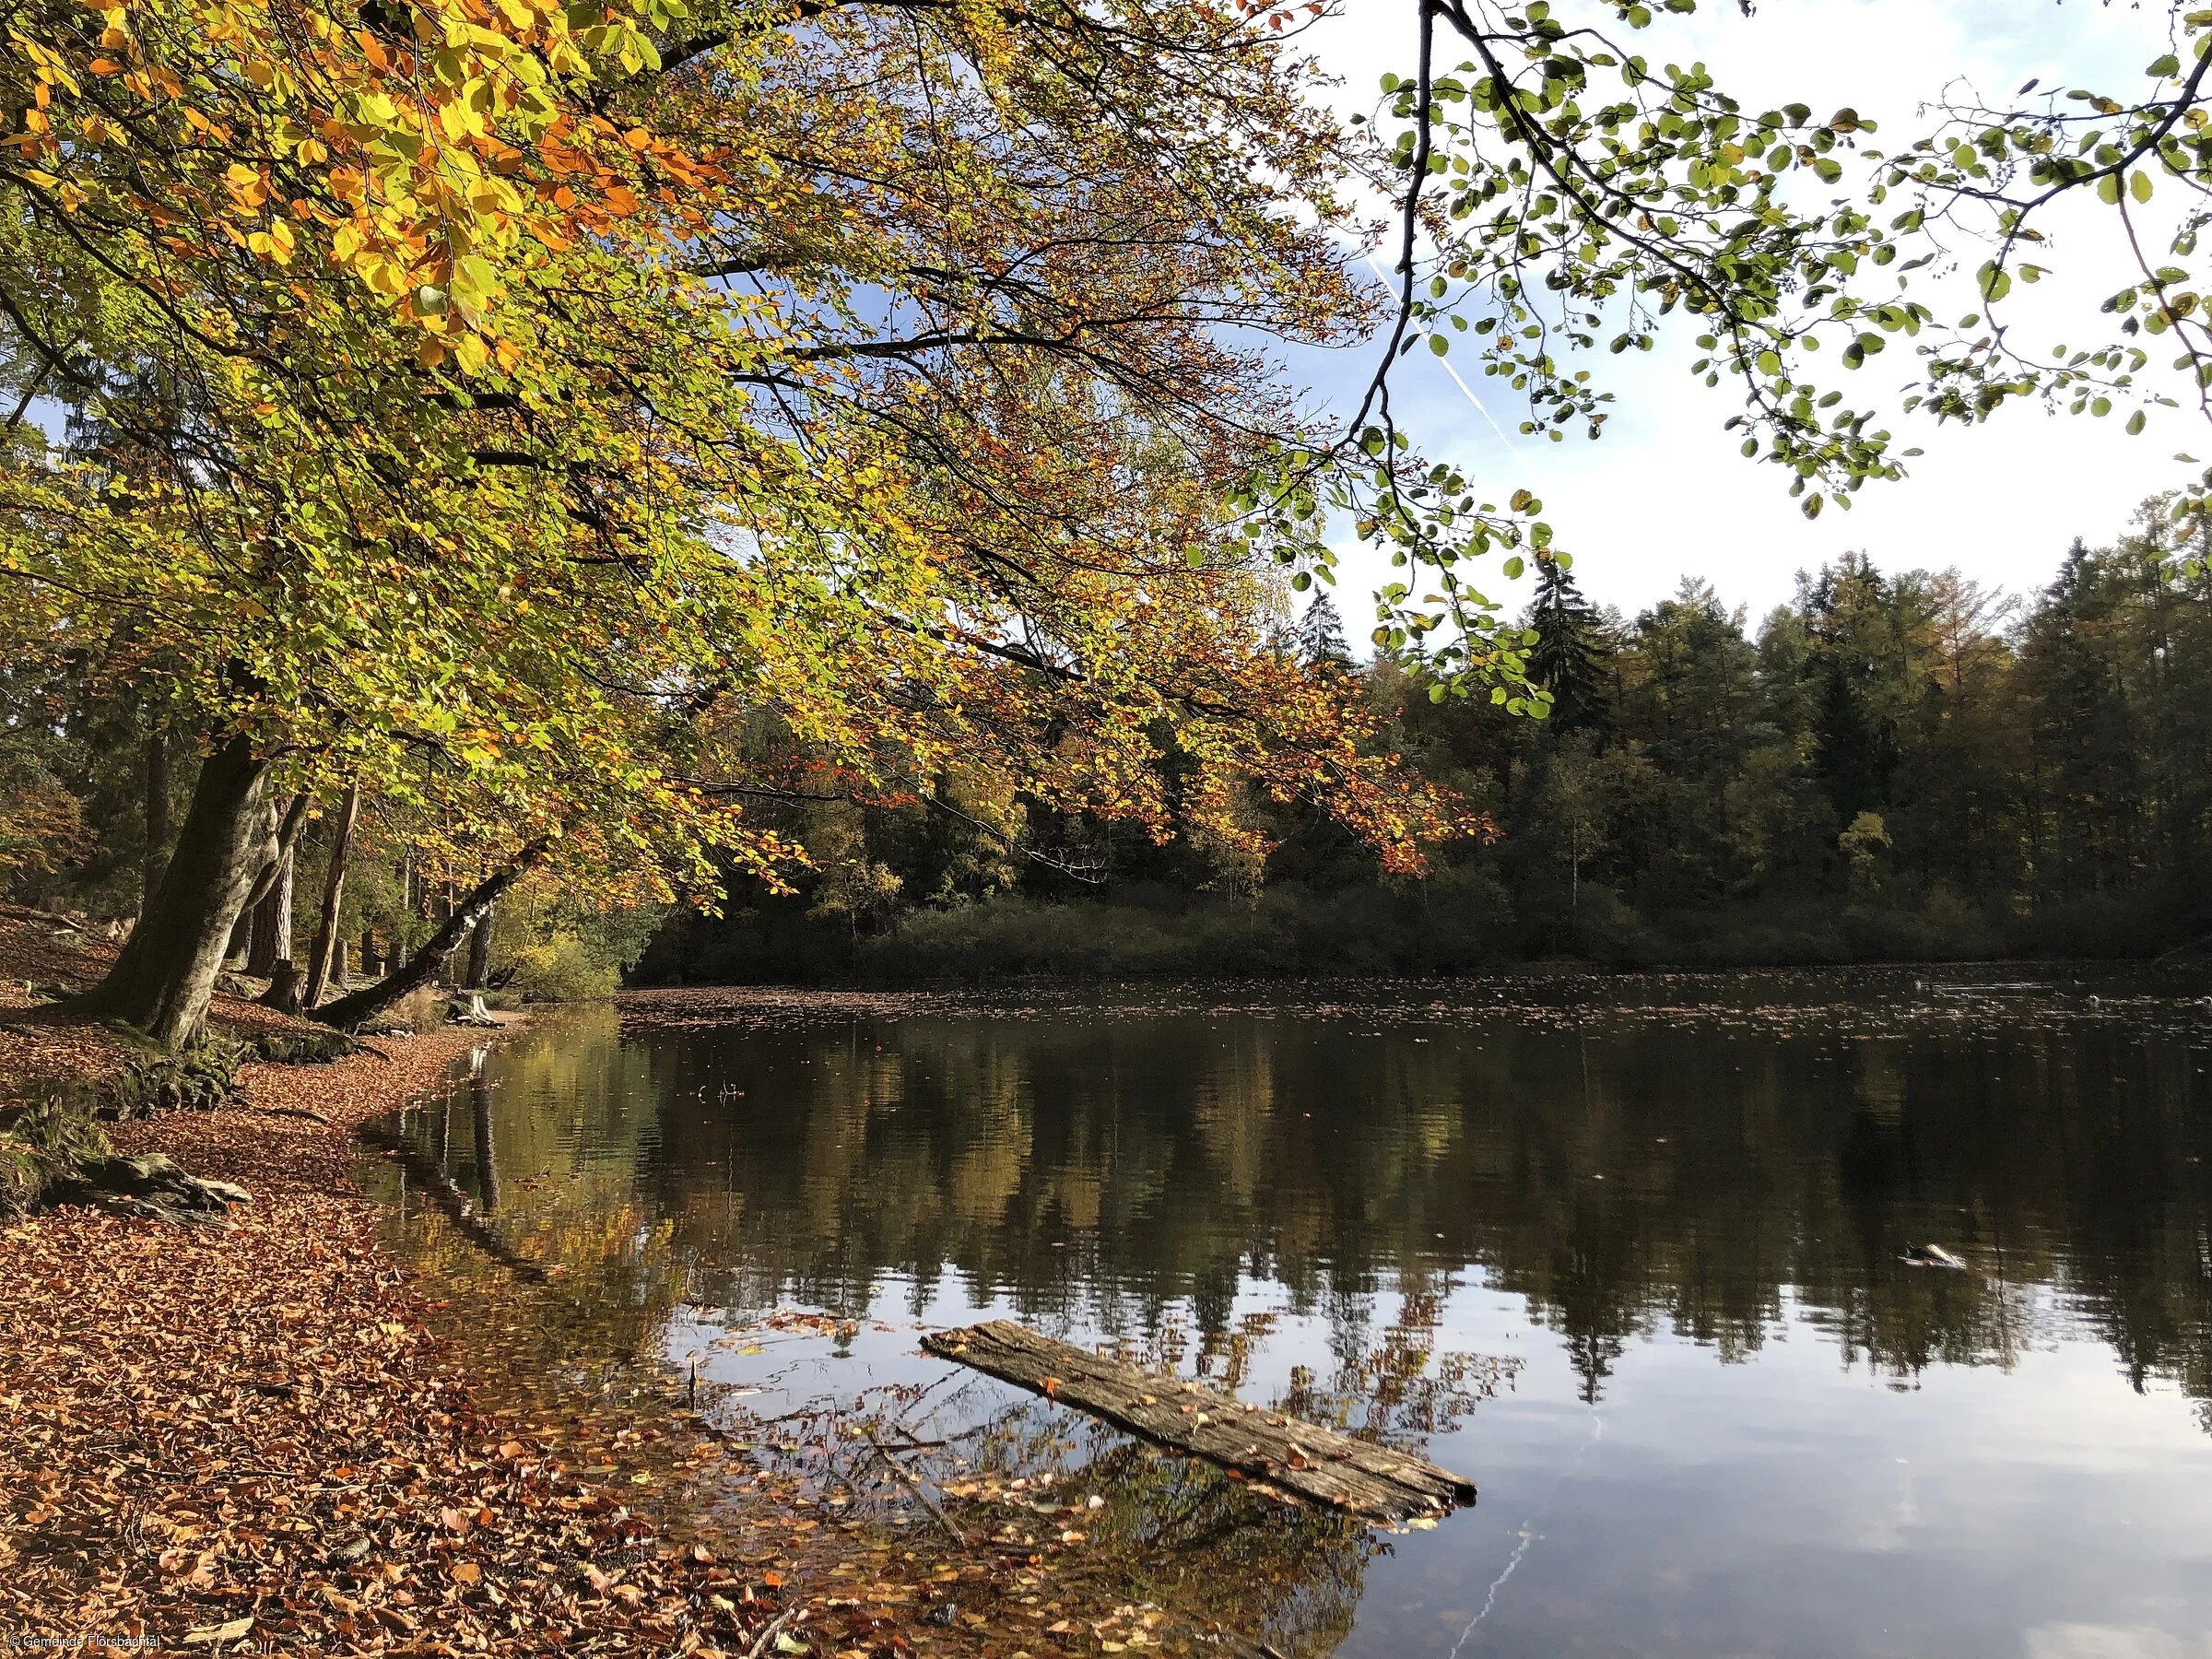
<point x="1178" y="1532"/>
<point x="1637" y="1175"/>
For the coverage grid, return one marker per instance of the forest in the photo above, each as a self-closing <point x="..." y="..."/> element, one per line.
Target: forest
<point x="1892" y="766"/>
<point x="521" y="496"/>
<point x="1895" y="765"/>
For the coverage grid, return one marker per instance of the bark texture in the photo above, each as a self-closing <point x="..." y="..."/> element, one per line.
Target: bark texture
<point x="480" y="952"/>
<point x="164" y="974"/>
<point x="271" y="940"/>
<point x="328" y="949"/>
<point x="157" y="816"/>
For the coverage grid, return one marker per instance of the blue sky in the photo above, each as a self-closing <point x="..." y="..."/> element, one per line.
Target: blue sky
<point x="1665" y="494"/>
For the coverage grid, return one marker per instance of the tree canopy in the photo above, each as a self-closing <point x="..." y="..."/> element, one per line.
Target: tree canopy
<point x="572" y="424"/>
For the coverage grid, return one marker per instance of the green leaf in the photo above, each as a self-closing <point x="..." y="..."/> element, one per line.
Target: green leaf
<point x="1513" y="568"/>
<point x="1439" y="344"/>
<point x="2135" y="423"/>
<point x="2139" y="186"/>
<point x="2161" y="67"/>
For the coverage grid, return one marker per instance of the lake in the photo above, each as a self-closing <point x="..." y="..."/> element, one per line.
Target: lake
<point x="1630" y="1252"/>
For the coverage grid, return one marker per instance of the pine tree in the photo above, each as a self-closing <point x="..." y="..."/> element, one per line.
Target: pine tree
<point x="1320" y="635"/>
<point x="1572" y="655"/>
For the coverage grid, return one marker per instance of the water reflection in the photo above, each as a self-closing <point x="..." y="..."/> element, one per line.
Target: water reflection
<point x="1359" y="1211"/>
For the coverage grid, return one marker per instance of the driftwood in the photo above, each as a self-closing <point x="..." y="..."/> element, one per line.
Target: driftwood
<point x="1287" y="1453"/>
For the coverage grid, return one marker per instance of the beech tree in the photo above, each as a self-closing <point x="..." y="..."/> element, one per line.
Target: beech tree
<point x="492" y="400"/>
<point x="1562" y="193"/>
<point x="500" y="406"/>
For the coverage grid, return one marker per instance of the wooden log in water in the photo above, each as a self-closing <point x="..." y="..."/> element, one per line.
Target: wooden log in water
<point x="1287" y="1453"/>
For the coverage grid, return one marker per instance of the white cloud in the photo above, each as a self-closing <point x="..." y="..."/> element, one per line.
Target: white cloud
<point x="1665" y="494"/>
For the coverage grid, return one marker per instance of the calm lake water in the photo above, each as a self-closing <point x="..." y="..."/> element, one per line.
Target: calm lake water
<point x="1630" y="1254"/>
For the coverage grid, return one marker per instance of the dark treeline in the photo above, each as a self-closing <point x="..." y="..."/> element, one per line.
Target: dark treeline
<point x="1892" y="765"/>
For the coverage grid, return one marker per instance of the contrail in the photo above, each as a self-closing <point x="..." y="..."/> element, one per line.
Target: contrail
<point x="1528" y="1533"/>
<point x="1452" y="372"/>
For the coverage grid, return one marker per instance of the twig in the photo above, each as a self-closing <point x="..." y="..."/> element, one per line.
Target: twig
<point x="921" y="1492"/>
<point x="767" y="1633"/>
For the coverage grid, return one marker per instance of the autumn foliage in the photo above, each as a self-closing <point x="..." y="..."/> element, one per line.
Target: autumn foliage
<point x="503" y="407"/>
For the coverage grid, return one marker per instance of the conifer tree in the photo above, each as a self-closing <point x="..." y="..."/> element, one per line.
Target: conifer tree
<point x="1320" y="642"/>
<point x="1571" y="653"/>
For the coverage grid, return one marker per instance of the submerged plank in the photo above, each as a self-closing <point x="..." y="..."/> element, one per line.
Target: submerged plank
<point x="1287" y="1452"/>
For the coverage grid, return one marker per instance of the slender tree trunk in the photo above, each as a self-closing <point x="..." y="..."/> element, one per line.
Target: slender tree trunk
<point x="423" y="967"/>
<point x="327" y="943"/>
<point x="272" y="940"/>
<point x="164" y="975"/>
<point x="480" y="952"/>
<point x="157" y="815"/>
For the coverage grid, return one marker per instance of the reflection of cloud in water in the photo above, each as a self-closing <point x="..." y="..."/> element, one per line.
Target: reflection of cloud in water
<point x="1318" y="1209"/>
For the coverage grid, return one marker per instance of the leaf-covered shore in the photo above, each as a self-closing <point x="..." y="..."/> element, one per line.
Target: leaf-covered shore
<point x="274" y="1436"/>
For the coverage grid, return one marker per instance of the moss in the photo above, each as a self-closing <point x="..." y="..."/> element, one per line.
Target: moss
<point x="314" y="1045"/>
<point x="45" y="1140"/>
<point x="198" y="1077"/>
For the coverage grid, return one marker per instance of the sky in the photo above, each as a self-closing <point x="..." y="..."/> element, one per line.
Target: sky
<point x="1664" y="493"/>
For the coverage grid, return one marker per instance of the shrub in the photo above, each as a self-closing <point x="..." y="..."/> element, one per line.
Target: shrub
<point x="561" y="968"/>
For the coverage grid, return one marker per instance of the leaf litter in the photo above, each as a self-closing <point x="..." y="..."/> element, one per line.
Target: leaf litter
<point x="277" y="1438"/>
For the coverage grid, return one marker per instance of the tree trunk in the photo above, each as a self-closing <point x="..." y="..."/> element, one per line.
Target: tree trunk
<point x="272" y="940"/>
<point x="357" y="1006"/>
<point x="369" y="963"/>
<point x="157" y="816"/>
<point x="327" y="944"/>
<point x="480" y="952"/>
<point x="286" y="833"/>
<point x="164" y="975"/>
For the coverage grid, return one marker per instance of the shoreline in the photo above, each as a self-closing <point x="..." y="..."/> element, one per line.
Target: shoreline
<point x="249" y="1438"/>
<point x="275" y="1437"/>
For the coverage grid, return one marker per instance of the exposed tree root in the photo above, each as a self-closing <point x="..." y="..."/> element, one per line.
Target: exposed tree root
<point x="151" y="1186"/>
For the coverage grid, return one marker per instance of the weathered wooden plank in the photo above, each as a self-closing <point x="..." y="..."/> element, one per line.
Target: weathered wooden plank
<point x="1287" y="1452"/>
